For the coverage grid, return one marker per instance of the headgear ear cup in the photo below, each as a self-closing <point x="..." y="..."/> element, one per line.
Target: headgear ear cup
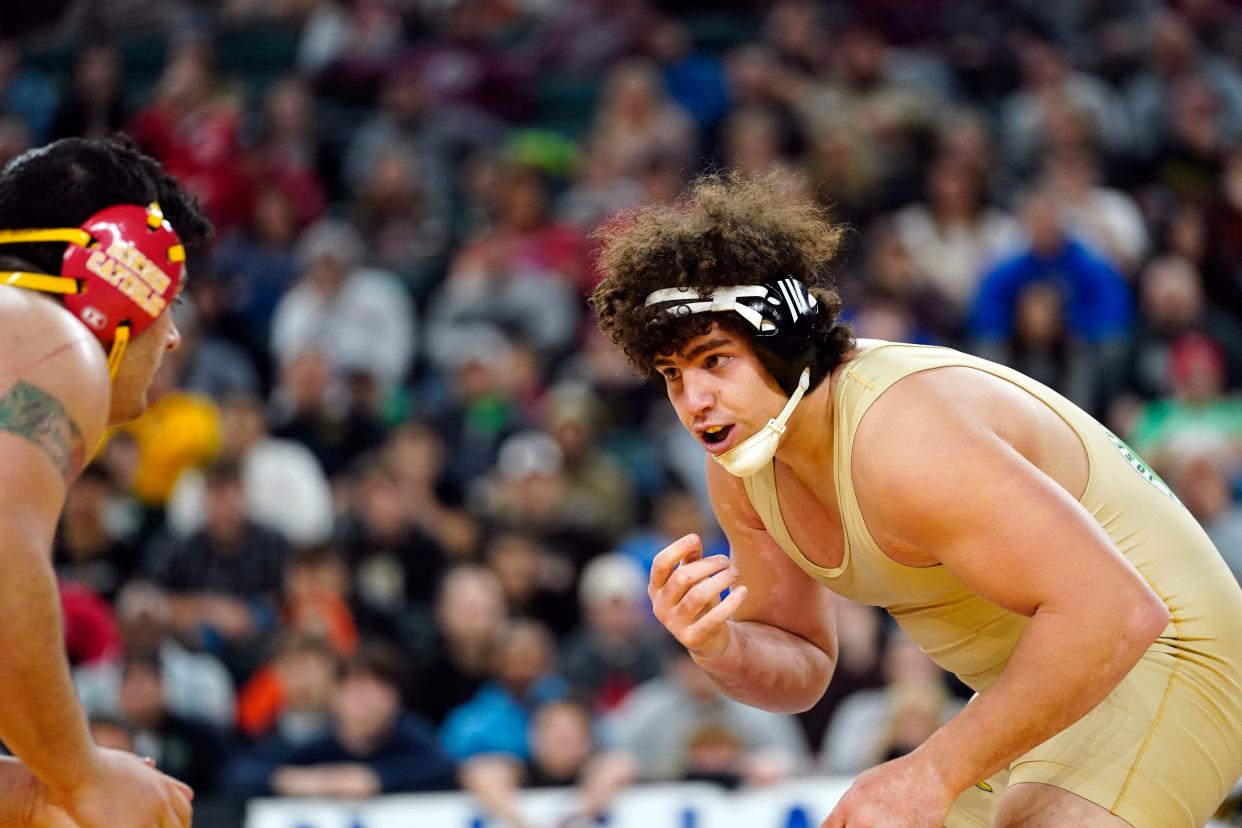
<point x="120" y="271"/>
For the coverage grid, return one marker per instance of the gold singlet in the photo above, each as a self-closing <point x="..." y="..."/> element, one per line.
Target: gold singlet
<point x="1165" y="747"/>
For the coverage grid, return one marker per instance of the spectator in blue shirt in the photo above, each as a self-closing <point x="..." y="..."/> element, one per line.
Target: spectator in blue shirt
<point x="498" y="718"/>
<point x="1098" y="305"/>
<point x="695" y="79"/>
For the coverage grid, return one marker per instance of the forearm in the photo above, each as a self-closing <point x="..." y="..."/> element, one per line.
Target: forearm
<point x="1064" y="665"/>
<point x="18" y="792"/>
<point x="494" y="781"/>
<point x="349" y="780"/>
<point x="186" y="611"/>
<point x="40" y="719"/>
<point x="606" y="776"/>
<point x="288" y="780"/>
<point x="769" y="668"/>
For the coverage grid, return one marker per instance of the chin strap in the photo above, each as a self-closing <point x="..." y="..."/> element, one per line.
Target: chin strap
<point x="756" y="451"/>
<point x="804" y="382"/>
<point x="117" y="353"/>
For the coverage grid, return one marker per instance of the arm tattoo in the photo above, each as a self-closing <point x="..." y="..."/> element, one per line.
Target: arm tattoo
<point x="36" y="416"/>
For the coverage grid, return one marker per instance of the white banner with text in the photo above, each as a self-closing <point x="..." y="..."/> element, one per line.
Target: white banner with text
<point x="801" y="803"/>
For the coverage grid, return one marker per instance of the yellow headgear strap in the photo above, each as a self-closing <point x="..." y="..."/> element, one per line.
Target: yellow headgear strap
<point x="56" y="234"/>
<point x="46" y="283"/>
<point x="41" y="282"/>
<point x="118" y="350"/>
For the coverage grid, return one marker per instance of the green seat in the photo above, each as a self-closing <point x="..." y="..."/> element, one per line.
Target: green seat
<point x="256" y="56"/>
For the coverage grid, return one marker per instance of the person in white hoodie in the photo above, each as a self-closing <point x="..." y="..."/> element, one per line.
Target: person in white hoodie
<point x="285" y="486"/>
<point x="360" y="318"/>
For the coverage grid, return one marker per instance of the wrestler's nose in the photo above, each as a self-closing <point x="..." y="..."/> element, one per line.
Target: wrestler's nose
<point x="173" y="341"/>
<point x="700" y="393"/>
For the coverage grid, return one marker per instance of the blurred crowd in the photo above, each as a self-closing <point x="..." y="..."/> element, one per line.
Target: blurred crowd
<point x="387" y="523"/>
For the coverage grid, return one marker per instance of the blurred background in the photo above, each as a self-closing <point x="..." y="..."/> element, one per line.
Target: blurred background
<point x="387" y="523"/>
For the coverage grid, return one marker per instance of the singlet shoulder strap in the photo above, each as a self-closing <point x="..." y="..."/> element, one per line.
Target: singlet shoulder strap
<point x="761" y="490"/>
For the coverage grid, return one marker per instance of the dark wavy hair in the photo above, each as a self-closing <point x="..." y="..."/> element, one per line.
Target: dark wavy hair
<point x="726" y="229"/>
<point x="66" y="182"/>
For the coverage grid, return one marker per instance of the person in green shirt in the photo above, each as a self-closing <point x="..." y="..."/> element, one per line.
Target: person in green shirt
<point x="1200" y="406"/>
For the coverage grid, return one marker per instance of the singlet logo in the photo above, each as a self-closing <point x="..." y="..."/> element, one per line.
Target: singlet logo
<point x="1137" y="462"/>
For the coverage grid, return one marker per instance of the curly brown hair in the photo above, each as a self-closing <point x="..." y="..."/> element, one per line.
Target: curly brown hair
<point x="727" y="229"/>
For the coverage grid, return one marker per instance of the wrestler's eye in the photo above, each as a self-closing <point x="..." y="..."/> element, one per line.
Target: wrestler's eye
<point x="670" y="374"/>
<point x="716" y="361"/>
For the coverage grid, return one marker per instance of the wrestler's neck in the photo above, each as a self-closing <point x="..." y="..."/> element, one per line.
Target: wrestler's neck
<point x="806" y="447"/>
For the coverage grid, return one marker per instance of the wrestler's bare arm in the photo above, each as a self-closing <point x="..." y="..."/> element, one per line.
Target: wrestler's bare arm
<point x="932" y="474"/>
<point x="782" y="643"/>
<point x="54" y="396"/>
<point x="23" y="800"/>
<point x="18" y="793"/>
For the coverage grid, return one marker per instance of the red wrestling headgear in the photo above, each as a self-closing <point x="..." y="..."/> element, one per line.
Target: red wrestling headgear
<point x="121" y="270"/>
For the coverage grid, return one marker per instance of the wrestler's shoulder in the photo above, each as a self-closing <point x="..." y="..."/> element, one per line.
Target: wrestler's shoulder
<point x="45" y="346"/>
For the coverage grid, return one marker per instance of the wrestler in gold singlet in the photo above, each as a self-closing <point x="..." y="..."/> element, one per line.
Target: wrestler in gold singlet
<point x="1165" y="747"/>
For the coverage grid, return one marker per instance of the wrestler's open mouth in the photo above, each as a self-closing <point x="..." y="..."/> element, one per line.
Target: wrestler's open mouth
<point x="717" y="434"/>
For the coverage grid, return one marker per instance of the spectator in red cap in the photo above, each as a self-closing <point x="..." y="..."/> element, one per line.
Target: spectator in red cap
<point x="1199" y="405"/>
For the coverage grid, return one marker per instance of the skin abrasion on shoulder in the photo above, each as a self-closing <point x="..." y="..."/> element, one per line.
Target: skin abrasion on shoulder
<point x="37" y="417"/>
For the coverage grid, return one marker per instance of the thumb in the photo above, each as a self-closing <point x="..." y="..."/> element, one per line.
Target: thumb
<point x="185" y="789"/>
<point x="837" y="818"/>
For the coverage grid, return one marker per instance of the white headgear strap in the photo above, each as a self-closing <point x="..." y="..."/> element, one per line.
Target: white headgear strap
<point x="719" y="300"/>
